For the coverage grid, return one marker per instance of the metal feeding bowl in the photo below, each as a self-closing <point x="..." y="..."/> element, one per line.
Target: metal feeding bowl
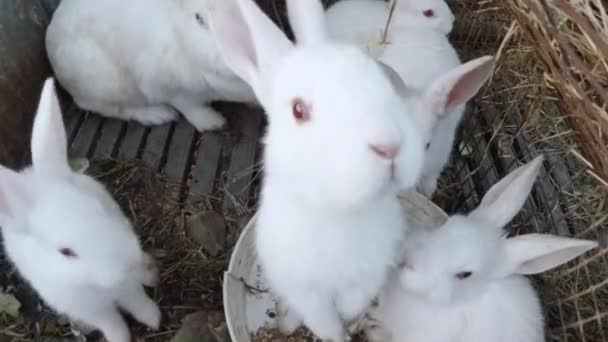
<point x="249" y="305"/>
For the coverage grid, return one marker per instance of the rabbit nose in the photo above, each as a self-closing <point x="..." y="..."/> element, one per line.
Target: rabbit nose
<point x="387" y="151"/>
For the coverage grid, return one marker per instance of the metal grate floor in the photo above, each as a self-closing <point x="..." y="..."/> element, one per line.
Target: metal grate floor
<point x="193" y="160"/>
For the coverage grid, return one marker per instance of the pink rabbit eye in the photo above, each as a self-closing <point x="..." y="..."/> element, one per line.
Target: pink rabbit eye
<point x="464" y="275"/>
<point x="429" y="13"/>
<point x="300" y="110"/>
<point x="68" y="252"/>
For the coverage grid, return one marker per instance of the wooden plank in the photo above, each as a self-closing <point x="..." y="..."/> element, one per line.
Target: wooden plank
<point x="468" y="193"/>
<point x="179" y="151"/>
<point x="85" y="138"/>
<point x="206" y="163"/>
<point x="108" y="140"/>
<point x="240" y="173"/>
<point x="155" y="145"/>
<point x="132" y="140"/>
<point x="72" y="119"/>
<point x="486" y="174"/>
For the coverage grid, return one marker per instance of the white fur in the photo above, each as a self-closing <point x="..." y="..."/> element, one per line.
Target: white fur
<point x="329" y="223"/>
<point x="47" y="207"/>
<point x="142" y="60"/>
<point x="419" y="52"/>
<point x="425" y="301"/>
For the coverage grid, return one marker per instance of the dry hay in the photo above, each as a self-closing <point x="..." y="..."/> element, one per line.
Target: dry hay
<point x="572" y="40"/>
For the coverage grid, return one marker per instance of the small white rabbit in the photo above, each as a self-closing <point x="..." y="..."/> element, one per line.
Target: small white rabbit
<point x="141" y="60"/>
<point x="464" y="281"/>
<point x="421" y="54"/>
<point x="69" y="239"/>
<point x="329" y="224"/>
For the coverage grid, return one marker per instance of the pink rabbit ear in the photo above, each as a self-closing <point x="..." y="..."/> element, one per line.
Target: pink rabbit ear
<point x="536" y="253"/>
<point x="459" y="85"/>
<point x="248" y="40"/>
<point x="504" y="200"/>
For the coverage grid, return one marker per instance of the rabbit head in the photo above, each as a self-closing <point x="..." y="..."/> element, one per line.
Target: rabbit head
<point x="61" y="218"/>
<point x="458" y="260"/>
<point x="334" y="132"/>
<point x="425" y="14"/>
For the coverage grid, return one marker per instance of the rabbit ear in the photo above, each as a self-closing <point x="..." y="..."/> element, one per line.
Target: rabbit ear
<point x="396" y="80"/>
<point x="458" y="86"/>
<point x="536" y="253"/>
<point x="502" y="202"/>
<point x="248" y="40"/>
<point x="49" y="142"/>
<point x="13" y="196"/>
<point x="307" y="20"/>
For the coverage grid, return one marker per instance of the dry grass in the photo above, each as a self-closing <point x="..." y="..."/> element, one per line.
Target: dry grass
<point x="571" y="40"/>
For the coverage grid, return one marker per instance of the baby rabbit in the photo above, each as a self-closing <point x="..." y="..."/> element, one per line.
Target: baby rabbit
<point x="141" y="60"/>
<point x="420" y="54"/>
<point x="464" y="281"/>
<point x="69" y="239"/>
<point x="329" y="224"/>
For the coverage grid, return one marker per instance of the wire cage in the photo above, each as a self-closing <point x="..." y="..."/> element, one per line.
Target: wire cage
<point x="548" y="95"/>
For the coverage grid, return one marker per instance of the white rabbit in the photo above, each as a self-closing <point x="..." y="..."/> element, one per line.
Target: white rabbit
<point x="464" y="281"/>
<point x="141" y="60"/>
<point x="329" y="224"/>
<point x="364" y="21"/>
<point x="69" y="239"/>
<point x="421" y="56"/>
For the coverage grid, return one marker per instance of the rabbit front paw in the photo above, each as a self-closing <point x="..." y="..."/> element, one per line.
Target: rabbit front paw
<point x="151" y="271"/>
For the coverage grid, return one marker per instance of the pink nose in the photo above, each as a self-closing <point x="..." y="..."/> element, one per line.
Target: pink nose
<point x="385" y="151"/>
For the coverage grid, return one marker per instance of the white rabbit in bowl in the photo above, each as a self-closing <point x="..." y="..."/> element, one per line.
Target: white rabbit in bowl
<point x="337" y="149"/>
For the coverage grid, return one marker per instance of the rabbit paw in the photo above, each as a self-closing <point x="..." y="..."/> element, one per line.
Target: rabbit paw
<point x="151" y="272"/>
<point x="151" y="316"/>
<point x="288" y="321"/>
<point x="205" y="119"/>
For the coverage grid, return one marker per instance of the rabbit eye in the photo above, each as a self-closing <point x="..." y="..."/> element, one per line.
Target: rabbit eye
<point x="68" y="252"/>
<point x="199" y="18"/>
<point x="300" y="110"/>
<point x="427" y="146"/>
<point x="464" y="275"/>
<point x="429" y="13"/>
